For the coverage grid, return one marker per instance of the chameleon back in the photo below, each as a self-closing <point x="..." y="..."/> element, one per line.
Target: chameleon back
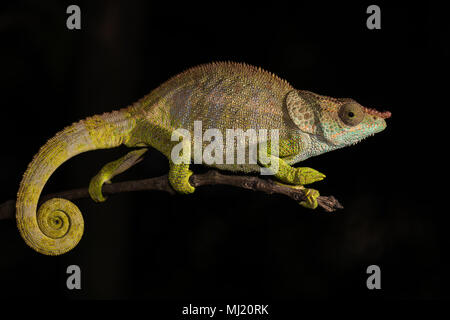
<point x="223" y="96"/>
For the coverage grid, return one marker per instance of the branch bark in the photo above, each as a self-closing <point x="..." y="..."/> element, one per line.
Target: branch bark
<point x="212" y="177"/>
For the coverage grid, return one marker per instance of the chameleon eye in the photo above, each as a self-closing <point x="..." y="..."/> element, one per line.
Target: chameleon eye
<point x="351" y="114"/>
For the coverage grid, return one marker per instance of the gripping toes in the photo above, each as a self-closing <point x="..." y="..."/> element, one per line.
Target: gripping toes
<point x="112" y="169"/>
<point x="179" y="178"/>
<point x="311" y="196"/>
<point x="95" y="186"/>
<point x="305" y="175"/>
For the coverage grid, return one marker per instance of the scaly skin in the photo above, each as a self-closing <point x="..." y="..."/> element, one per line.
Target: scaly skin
<point x="223" y="96"/>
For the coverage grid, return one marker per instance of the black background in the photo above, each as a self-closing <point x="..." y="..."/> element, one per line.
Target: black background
<point x="225" y="244"/>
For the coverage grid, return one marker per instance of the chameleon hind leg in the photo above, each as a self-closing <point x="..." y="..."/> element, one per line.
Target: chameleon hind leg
<point x="296" y="178"/>
<point x="111" y="170"/>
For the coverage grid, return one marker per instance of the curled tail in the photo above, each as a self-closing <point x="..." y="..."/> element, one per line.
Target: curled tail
<point x="58" y="225"/>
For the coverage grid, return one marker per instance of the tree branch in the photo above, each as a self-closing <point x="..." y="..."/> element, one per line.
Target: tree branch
<point x="212" y="177"/>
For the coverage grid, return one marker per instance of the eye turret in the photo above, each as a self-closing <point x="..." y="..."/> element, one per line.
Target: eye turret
<point x="351" y="114"/>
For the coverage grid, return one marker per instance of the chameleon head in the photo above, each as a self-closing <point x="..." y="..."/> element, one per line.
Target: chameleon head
<point x="339" y="122"/>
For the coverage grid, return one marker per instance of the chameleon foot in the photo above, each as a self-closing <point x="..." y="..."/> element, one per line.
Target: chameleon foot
<point x="179" y="175"/>
<point x="95" y="187"/>
<point x="311" y="195"/>
<point x="311" y="198"/>
<point x="111" y="170"/>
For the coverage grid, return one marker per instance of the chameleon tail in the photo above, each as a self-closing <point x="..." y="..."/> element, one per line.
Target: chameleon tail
<point x="58" y="225"/>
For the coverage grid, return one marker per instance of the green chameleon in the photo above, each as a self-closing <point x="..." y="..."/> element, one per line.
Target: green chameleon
<point x="222" y="95"/>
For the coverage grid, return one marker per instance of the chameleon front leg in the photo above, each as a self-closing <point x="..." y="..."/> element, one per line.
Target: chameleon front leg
<point x="296" y="178"/>
<point x="111" y="170"/>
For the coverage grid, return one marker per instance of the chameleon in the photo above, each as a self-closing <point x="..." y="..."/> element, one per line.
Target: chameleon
<point x="222" y="95"/>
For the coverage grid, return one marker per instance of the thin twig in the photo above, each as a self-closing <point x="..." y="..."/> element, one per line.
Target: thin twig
<point x="212" y="177"/>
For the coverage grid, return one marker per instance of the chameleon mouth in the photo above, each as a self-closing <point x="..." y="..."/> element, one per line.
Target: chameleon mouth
<point x="383" y="115"/>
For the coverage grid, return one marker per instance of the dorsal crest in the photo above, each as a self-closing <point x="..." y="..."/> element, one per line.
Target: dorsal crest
<point x="233" y="68"/>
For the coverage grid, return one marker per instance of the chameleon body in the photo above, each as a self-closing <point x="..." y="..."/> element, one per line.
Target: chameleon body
<point x="222" y="95"/>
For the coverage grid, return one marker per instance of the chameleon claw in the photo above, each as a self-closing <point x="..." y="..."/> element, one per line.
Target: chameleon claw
<point x="179" y="179"/>
<point x="112" y="169"/>
<point x="95" y="187"/>
<point x="184" y="186"/>
<point x="189" y="187"/>
<point x="311" y="196"/>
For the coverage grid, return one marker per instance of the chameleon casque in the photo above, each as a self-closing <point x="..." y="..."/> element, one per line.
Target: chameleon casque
<point x="222" y="95"/>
